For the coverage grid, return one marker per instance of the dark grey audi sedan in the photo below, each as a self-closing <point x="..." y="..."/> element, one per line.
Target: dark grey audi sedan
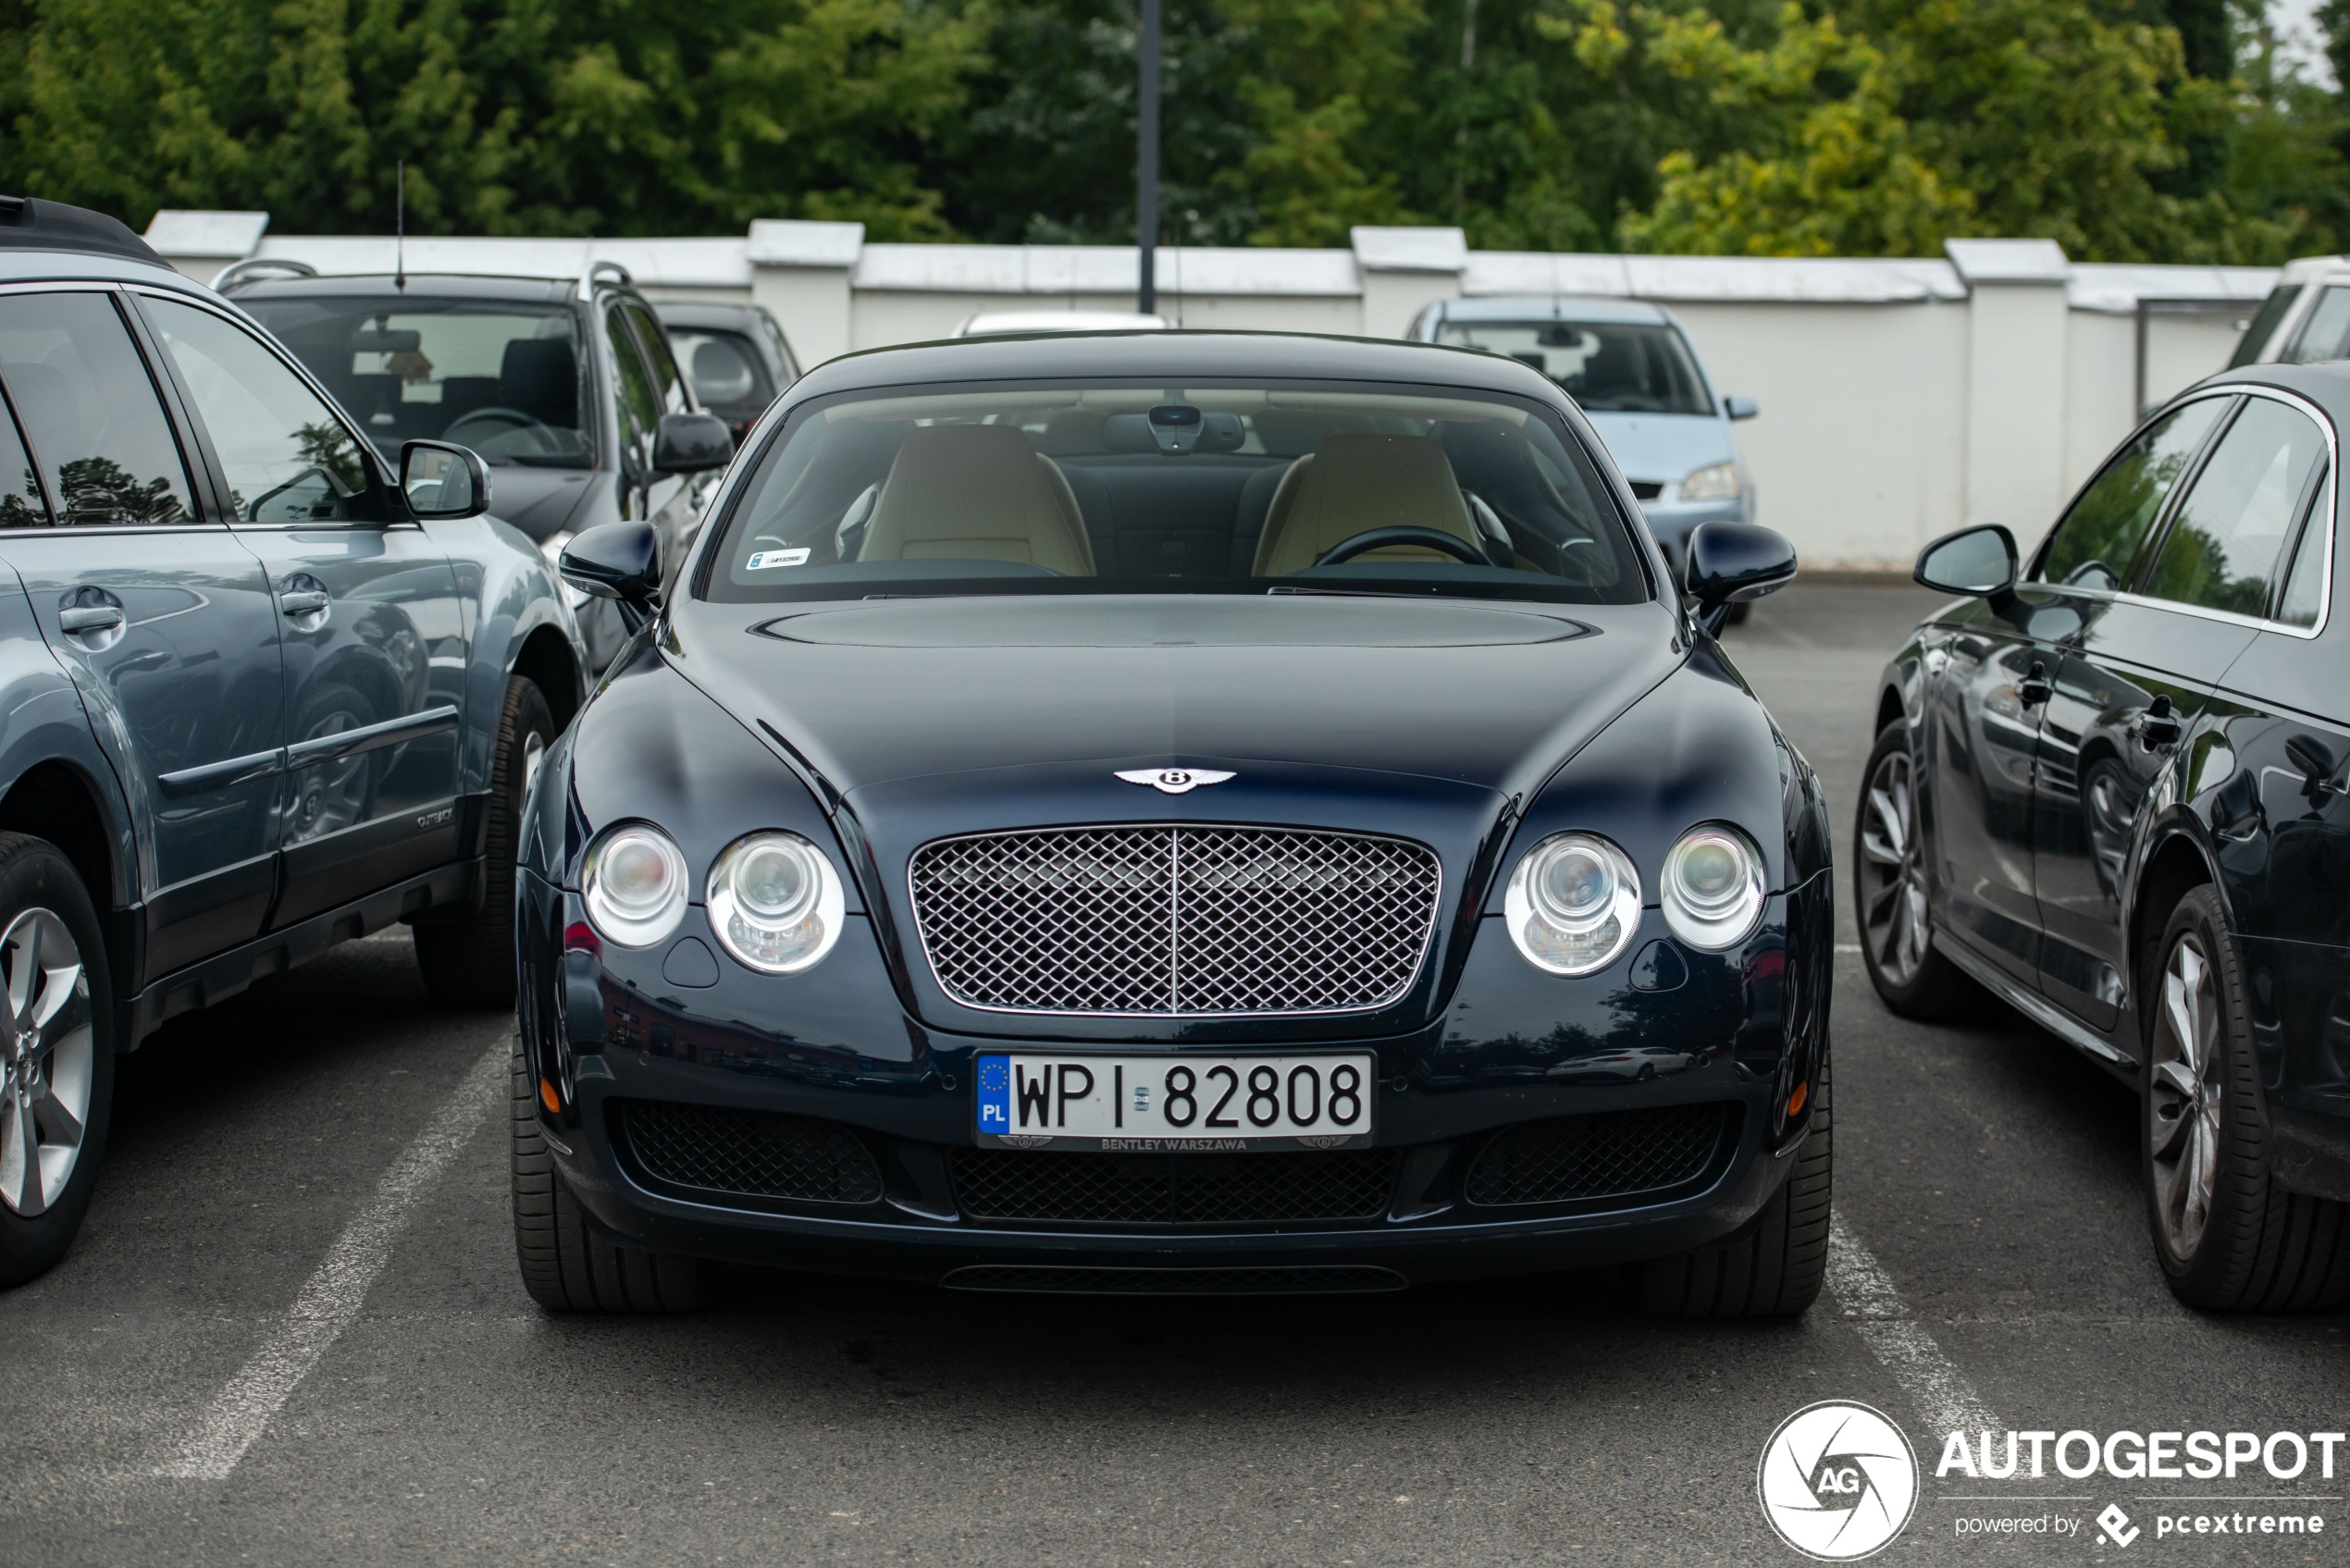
<point x="2110" y="786"/>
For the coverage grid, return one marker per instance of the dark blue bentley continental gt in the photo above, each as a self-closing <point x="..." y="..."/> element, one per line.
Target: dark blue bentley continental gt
<point x="1175" y="813"/>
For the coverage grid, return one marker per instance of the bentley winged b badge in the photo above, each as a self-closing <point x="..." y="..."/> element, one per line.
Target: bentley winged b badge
<point x="1174" y="781"/>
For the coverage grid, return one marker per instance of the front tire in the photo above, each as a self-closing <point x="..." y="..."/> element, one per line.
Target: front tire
<point x="1890" y="890"/>
<point x="470" y="962"/>
<point x="2228" y="1237"/>
<point x="565" y="1266"/>
<point x="1775" y="1266"/>
<point x="57" y="1056"/>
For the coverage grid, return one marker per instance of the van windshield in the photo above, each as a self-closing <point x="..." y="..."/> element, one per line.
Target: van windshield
<point x="1606" y="367"/>
<point x="1230" y="486"/>
<point x="501" y="377"/>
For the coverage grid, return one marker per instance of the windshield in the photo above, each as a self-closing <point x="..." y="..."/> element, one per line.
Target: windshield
<point x="498" y="375"/>
<point x="1607" y="366"/>
<point x="1235" y="487"/>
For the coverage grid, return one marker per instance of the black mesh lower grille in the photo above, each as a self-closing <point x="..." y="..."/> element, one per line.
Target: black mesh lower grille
<point x="750" y="1154"/>
<point x="1333" y="1280"/>
<point x="1611" y="1154"/>
<point x="1090" y="1189"/>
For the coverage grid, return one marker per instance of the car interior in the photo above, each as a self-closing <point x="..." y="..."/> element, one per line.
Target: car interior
<point x="501" y="376"/>
<point x="1205" y="484"/>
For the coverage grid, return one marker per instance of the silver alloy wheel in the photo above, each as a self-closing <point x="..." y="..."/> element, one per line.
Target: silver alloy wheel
<point x="2183" y="1099"/>
<point x="47" y="1060"/>
<point x="1893" y="872"/>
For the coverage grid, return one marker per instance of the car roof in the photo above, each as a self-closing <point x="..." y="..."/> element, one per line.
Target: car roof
<point x="28" y="224"/>
<point x="428" y="285"/>
<point x="675" y="312"/>
<point x="1554" y="308"/>
<point x="2326" y="385"/>
<point x="1178" y="356"/>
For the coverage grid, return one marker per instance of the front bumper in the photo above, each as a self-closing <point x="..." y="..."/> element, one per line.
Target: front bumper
<point x="606" y="1028"/>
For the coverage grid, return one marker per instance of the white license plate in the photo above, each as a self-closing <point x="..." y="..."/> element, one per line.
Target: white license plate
<point x="1146" y="1104"/>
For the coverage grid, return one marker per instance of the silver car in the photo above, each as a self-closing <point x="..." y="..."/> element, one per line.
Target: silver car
<point x="1636" y="373"/>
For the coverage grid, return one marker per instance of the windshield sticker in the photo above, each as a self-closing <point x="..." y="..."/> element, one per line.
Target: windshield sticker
<point x="761" y="561"/>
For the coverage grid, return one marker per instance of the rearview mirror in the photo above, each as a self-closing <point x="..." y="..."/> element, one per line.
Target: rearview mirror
<point x="618" y="561"/>
<point x="691" y="443"/>
<point x="441" y="480"/>
<point x="1735" y="563"/>
<point x="1980" y="560"/>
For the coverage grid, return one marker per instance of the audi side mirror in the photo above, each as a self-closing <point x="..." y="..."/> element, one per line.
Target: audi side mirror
<point x="1733" y="563"/>
<point x="692" y="443"/>
<point x="441" y="480"/>
<point x="620" y="561"/>
<point x="1980" y="560"/>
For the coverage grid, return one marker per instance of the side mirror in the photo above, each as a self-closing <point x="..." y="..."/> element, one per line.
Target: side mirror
<point x="1733" y="563"/>
<point x="691" y="443"/>
<point x="1980" y="560"/>
<point x="440" y="480"/>
<point x="618" y="561"/>
<point x="1740" y="408"/>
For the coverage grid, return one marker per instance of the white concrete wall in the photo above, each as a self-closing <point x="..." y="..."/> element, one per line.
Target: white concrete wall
<point x="1900" y="399"/>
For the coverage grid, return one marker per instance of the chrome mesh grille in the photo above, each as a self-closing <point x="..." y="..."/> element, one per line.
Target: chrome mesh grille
<point x="1175" y="920"/>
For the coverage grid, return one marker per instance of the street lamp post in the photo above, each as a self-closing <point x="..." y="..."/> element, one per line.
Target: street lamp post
<point x="1146" y="163"/>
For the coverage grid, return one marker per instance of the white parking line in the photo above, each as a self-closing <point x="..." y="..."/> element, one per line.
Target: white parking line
<point x="1878" y="1315"/>
<point x="333" y="1295"/>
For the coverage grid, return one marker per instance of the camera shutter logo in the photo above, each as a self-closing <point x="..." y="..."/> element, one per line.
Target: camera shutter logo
<point x="1837" y="1481"/>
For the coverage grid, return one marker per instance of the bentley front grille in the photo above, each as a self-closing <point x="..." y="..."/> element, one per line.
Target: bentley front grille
<point x="1183" y="922"/>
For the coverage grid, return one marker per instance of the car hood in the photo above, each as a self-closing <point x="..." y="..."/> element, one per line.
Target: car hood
<point x="922" y="719"/>
<point x="1664" y="448"/>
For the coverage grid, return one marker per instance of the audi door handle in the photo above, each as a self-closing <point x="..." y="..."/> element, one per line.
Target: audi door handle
<point x="303" y="603"/>
<point x="2034" y="689"/>
<point x="90" y="618"/>
<point x="2158" y="726"/>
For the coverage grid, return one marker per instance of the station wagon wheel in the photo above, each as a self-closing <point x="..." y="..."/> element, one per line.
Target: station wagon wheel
<point x="1893" y="871"/>
<point x="46" y="1055"/>
<point x="2184" y="1094"/>
<point x="1889" y="849"/>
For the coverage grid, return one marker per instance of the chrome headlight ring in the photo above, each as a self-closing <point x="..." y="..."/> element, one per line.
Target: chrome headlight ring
<point x="633" y="884"/>
<point x="775" y="904"/>
<point x="1714" y="887"/>
<point x="1573" y="903"/>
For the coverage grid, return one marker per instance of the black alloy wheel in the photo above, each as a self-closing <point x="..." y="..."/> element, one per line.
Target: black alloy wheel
<point x="1889" y="888"/>
<point x="470" y="962"/>
<point x="57" y="1059"/>
<point x="2228" y="1236"/>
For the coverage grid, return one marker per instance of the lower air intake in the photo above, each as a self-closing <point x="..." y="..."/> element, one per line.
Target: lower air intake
<point x="1611" y="1154"/>
<point x="1154" y="1189"/>
<point x="748" y="1153"/>
<point x="1332" y="1280"/>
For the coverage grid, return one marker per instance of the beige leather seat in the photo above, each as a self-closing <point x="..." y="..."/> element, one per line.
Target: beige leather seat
<point x="1351" y="484"/>
<point x="977" y="492"/>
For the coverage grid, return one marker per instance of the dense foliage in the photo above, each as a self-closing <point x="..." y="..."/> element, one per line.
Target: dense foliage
<point x="2126" y="129"/>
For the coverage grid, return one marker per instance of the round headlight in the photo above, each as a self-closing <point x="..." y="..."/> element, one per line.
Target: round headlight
<point x="1573" y="902"/>
<point x="1713" y="892"/>
<point x="635" y="884"/>
<point x="774" y="902"/>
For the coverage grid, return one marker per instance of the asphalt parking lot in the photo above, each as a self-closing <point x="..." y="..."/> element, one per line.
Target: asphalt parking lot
<point x="292" y="1332"/>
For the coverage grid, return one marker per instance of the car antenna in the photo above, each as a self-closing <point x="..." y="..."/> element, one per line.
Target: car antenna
<point x="399" y="227"/>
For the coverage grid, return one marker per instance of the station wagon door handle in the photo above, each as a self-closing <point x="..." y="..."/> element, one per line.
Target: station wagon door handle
<point x="90" y="618"/>
<point x="2158" y="726"/>
<point x="2034" y="689"/>
<point x="307" y="602"/>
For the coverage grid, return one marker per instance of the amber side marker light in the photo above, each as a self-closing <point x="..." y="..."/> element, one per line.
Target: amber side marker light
<point x="1794" y="1101"/>
<point x="548" y="1097"/>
